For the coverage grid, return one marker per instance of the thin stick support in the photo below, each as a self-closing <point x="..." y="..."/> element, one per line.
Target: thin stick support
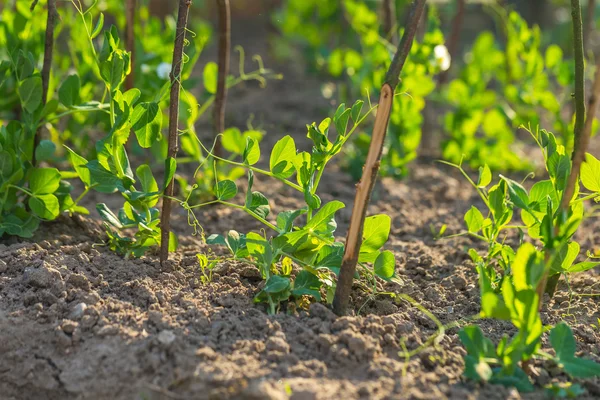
<point x="165" y="221"/>
<point x="47" y="65"/>
<point x="581" y="131"/>
<point x="365" y="187"/>
<point x="224" y="61"/>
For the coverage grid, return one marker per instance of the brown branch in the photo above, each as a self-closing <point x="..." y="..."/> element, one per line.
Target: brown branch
<point x="224" y="50"/>
<point x="393" y="75"/>
<point x="454" y="38"/>
<point x="47" y="66"/>
<point x="165" y="221"/>
<point x="365" y="187"/>
<point x="130" y="40"/>
<point x="589" y="23"/>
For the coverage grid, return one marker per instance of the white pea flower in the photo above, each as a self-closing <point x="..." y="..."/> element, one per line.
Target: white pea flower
<point x="442" y="57"/>
<point x="163" y="70"/>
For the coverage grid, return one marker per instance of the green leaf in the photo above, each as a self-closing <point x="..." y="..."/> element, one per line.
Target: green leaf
<point x="562" y="341"/>
<point x="79" y="163"/>
<point x="517" y="193"/>
<point x="356" y="109"/>
<point x="225" y="190"/>
<point x="144" y="174"/>
<point x="323" y="220"/>
<point x="474" y="220"/>
<point x="104" y="180"/>
<point x="113" y="70"/>
<point x="146" y="121"/>
<point x="376" y="231"/>
<point x="211" y="73"/>
<point x="44" y="180"/>
<point x="485" y="176"/>
<point x="30" y="93"/>
<point x="108" y="216"/>
<point x="251" y="152"/>
<point x="233" y="141"/>
<point x="98" y="27"/>
<point x="285" y="219"/>
<point x="590" y="173"/>
<point x="385" y="265"/>
<point x="554" y="55"/>
<point x="173" y="242"/>
<point x="45" y="150"/>
<point x="307" y="284"/>
<point x="170" y="169"/>
<point x="68" y="93"/>
<point x="258" y="204"/>
<point x="282" y="156"/>
<point x="276" y="284"/>
<point x="45" y="206"/>
<point x="340" y="119"/>
<point x="583" y="266"/>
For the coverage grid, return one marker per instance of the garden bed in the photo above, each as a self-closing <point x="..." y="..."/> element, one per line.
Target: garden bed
<point x="80" y="322"/>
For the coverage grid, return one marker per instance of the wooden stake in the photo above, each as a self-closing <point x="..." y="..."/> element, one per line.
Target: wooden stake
<point x="224" y="51"/>
<point x="581" y="131"/>
<point x="130" y="40"/>
<point x="365" y="187"/>
<point x="454" y="38"/>
<point x="47" y="66"/>
<point x="165" y="220"/>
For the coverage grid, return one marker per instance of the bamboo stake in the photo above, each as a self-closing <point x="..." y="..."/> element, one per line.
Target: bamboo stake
<point x="47" y="65"/>
<point x="165" y="221"/>
<point x="454" y="39"/>
<point x="224" y="50"/>
<point x="365" y="187"/>
<point x="130" y="40"/>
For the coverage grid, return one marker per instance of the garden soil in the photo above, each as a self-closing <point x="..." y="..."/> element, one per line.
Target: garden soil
<point x="79" y="322"/>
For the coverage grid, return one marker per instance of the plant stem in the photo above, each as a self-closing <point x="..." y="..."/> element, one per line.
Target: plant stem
<point x="130" y="40"/>
<point x="454" y="39"/>
<point x="365" y="187"/>
<point x="165" y="222"/>
<point x="47" y="66"/>
<point x="224" y="61"/>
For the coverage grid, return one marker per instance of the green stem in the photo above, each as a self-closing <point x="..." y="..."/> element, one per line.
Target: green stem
<point x="102" y="107"/>
<point x="204" y="204"/>
<point x="251" y="213"/>
<point x="27" y="192"/>
<point x="254" y="169"/>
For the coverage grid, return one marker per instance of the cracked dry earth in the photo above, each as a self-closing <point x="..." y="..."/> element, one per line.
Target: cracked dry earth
<point x="78" y="322"/>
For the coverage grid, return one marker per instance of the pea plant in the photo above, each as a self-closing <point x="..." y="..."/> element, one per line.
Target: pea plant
<point x="31" y="193"/>
<point x="358" y="61"/>
<point x="501" y="88"/>
<point x="303" y="236"/>
<point x="513" y="278"/>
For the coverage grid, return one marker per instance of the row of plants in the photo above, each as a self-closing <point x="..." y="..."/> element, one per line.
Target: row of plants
<point x="504" y="82"/>
<point x="531" y="243"/>
<point x="301" y="259"/>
